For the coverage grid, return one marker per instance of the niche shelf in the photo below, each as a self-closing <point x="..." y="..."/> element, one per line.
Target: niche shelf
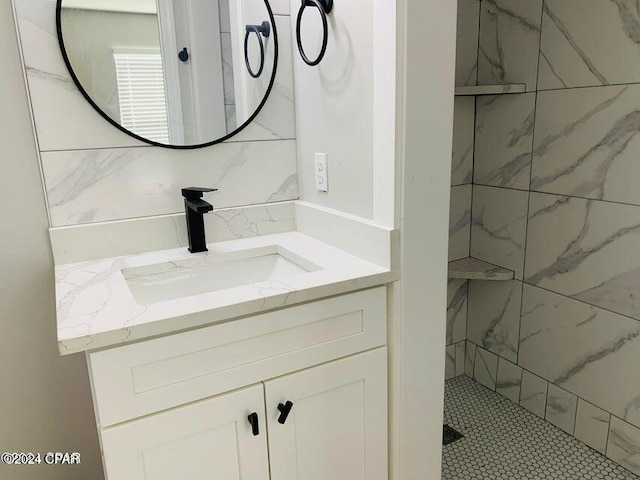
<point x="491" y="89"/>
<point x="473" y="269"/>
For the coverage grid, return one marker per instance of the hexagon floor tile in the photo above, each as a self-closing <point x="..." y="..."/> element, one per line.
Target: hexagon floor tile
<point x="503" y="441"/>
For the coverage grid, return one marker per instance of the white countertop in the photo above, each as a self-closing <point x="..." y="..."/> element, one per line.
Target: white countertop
<point x="96" y="309"/>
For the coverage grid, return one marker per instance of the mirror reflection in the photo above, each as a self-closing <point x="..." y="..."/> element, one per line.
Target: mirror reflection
<point x="178" y="73"/>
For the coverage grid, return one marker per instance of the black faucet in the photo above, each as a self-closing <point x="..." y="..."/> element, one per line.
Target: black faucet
<point x="195" y="209"/>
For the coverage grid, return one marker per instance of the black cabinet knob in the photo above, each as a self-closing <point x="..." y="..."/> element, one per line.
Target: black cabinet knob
<point x="255" y="427"/>
<point x="183" y="55"/>
<point x="284" y="411"/>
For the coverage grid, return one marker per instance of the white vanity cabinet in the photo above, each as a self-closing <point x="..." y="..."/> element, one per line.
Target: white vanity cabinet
<point x="178" y="406"/>
<point x="206" y="440"/>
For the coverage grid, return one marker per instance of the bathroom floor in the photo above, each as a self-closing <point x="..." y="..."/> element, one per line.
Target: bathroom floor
<point x="503" y="441"/>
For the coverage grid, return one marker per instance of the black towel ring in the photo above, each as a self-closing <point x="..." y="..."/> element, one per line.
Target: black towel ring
<point x="324" y="7"/>
<point x="260" y="30"/>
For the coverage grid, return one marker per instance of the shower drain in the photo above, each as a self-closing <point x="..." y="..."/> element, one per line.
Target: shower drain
<point x="450" y="435"/>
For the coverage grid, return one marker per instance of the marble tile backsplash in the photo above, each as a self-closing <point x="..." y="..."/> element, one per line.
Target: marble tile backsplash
<point x="86" y="186"/>
<point x="94" y="173"/>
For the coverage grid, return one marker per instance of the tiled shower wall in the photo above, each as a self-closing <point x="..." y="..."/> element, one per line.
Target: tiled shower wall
<point x="556" y="198"/>
<point x="94" y="173"/>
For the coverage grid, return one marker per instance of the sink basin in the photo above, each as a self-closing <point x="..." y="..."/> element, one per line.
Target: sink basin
<point x="209" y="273"/>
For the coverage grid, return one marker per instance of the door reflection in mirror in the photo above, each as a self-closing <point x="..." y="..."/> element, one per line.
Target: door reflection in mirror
<point x="169" y="72"/>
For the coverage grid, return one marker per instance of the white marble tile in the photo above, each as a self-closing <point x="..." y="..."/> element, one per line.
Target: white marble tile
<point x="486" y="368"/>
<point x="479" y="90"/>
<point x="450" y="362"/>
<point x="459" y="222"/>
<point x="561" y="408"/>
<point x="588" y="351"/>
<point x="99" y="185"/>
<point x="592" y="425"/>
<point x="460" y="357"/>
<point x="467" y="42"/>
<point x="456" y="310"/>
<point x="463" y="126"/>
<point x="277" y="118"/>
<point x="503" y="140"/>
<point x="623" y="446"/>
<point x="509" y="42"/>
<point x="81" y="243"/>
<point x="509" y="380"/>
<point x="494" y="317"/>
<point x="65" y="121"/>
<point x="592" y="255"/>
<point x="586" y="143"/>
<point x="499" y="226"/>
<point x="533" y="393"/>
<point x="469" y="358"/>
<point x="589" y="42"/>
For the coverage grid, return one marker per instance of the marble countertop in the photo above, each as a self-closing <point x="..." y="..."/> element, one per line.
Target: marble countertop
<point x="96" y="309"/>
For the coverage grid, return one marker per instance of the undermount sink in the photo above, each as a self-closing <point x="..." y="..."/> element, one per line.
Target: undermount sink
<point x="209" y="273"/>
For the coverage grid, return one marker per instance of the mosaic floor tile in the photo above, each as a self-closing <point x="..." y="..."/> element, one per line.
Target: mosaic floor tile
<point x="503" y="441"/>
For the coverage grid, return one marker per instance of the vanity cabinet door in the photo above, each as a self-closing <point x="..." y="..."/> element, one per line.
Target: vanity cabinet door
<point x="202" y="441"/>
<point x="336" y="427"/>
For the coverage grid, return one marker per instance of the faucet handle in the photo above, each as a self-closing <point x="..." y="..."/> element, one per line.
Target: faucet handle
<point x="193" y="193"/>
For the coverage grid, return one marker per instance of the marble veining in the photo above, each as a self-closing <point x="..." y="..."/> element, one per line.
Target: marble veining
<point x="463" y="131"/>
<point x="509" y="380"/>
<point x="503" y="140"/>
<point x="592" y="425"/>
<point x="111" y="239"/>
<point x="577" y="347"/>
<point x="572" y="56"/>
<point x="486" y="368"/>
<point x="533" y="393"/>
<point x="95" y="307"/>
<point x="588" y="234"/>
<point x="624" y="445"/>
<point x="499" y="226"/>
<point x="459" y="222"/>
<point x="467" y="42"/>
<point x="111" y="184"/>
<point x="494" y="317"/>
<point x="456" y="310"/>
<point x="586" y="141"/>
<point x="561" y="408"/>
<point x="509" y="40"/>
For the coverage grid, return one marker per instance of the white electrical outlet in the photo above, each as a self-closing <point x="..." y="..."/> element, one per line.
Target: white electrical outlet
<point x="322" y="184"/>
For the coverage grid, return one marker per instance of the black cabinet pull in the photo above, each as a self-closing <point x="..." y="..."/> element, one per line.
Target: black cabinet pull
<point x="253" y="420"/>
<point x="284" y="411"/>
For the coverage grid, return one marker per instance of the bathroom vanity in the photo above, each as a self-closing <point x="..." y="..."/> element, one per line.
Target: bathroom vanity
<point x="264" y="358"/>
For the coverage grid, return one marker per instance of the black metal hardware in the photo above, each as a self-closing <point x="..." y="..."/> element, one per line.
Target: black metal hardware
<point x="253" y="420"/>
<point x="183" y="55"/>
<point x="195" y="208"/>
<point x="284" y="411"/>
<point x="260" y="30"/>
<point x="107" y="117"/>
<point x="324" y="7"/>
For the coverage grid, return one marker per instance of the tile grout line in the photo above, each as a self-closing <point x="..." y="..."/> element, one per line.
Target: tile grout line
<point x="541" y="192"/>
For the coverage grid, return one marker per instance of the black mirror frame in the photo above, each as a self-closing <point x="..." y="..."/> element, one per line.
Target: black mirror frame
<point x="151" y="142"/>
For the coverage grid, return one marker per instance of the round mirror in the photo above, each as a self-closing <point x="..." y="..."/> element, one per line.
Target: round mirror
<point x="172" y="73"/>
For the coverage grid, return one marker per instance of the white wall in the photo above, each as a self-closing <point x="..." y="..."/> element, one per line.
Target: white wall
<point x="45" y="400"/>
<point x="334" y="106"/>
<point x="426" y="78"/>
